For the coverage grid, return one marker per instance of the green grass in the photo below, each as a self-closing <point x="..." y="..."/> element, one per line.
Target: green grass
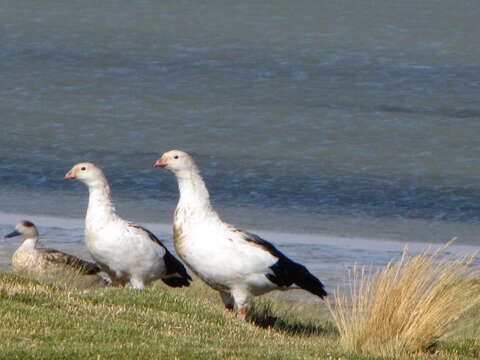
<point x="48" y="321"/>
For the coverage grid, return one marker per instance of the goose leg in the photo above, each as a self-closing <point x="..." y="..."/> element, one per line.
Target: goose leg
<point x="241" y="298"/>
<point x="137" y="284"/>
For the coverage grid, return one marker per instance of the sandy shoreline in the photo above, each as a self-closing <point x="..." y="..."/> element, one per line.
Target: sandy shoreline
<point x="281" y="237"/>
<point x="327" y="256"/>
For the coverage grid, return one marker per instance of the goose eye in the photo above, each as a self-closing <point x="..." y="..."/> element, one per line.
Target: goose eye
<point x="83" y="168"/>
<point x="175" y="157"/>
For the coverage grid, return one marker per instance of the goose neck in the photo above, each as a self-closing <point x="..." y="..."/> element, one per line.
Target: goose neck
<point x="100" y="205"/>
<point x="193" y="192"/>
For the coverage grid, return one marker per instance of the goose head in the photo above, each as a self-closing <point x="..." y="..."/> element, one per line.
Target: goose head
<point x="86" y="172"/>
<point x="176" y="161"/>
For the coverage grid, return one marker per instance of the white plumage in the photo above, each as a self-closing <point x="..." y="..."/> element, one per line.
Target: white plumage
<point x="44" y="263"/>
<point x="126" y="251"/>
<point x="236" y="263"/>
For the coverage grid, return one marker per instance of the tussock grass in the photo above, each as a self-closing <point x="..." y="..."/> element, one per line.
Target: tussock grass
<point x="406" y="306"/>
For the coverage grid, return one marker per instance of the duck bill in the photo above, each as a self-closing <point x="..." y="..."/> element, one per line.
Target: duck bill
<point x="12" y="234"/>
<point x="160" y="163"/>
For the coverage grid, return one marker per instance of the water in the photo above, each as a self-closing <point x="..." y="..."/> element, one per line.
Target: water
<point x="353" y="119"/>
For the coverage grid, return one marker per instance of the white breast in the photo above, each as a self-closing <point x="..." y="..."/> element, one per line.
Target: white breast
<point x="126" y="250"/>
<point x="223" y="259"/>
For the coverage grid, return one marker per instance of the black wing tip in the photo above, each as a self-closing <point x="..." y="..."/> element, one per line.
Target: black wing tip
<point x="321" y="293"/>
<point x="311" y="283"/>
<point x="149" y="234"/>
<point x="287" y="272"/>
<point x="177" y="281"/>
<point x="313" y="286"/>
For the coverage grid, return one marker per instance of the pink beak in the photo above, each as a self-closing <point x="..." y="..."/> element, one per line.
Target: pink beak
<point x="160" y="163"/>
<point x="69" y="175"/>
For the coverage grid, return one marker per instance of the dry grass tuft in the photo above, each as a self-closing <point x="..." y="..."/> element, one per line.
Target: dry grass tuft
<point x="406" y="306"/>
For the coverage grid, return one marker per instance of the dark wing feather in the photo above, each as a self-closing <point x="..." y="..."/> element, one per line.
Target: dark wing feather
<point x="150" y="235"/>
<point x="71" y="261"/>
<point x="177" y="275"/>
<point x="286" y="271"/>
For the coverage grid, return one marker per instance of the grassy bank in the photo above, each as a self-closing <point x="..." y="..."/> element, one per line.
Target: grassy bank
<point x="44" y="321"/>
<point x="407" y="305"/>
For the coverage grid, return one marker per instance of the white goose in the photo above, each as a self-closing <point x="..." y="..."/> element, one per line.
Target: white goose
<point x="31" y="260"/>
<point x="236" y="263"/>
<point x="126" y="251"/>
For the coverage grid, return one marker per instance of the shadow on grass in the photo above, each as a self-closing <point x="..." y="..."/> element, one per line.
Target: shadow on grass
<point x="264" y="317"/>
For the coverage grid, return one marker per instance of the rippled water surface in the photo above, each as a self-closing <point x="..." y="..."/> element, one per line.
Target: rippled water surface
<point x="352" y="119"/>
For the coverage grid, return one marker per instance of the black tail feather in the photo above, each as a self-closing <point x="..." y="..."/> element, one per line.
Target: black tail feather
<point x="307" y="281"/>
<point x="178" y="274"/>
<point x="287" y="272"/>
<point x="177" y="281"/>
